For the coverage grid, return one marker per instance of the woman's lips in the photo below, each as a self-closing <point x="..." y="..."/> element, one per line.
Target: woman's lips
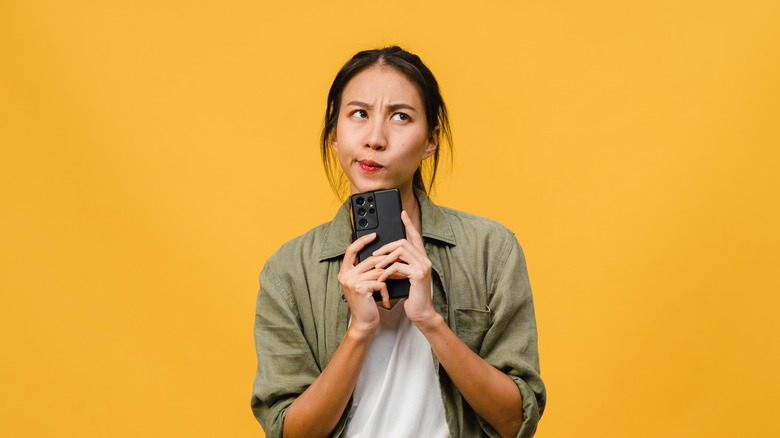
<point x="369" y="166"/>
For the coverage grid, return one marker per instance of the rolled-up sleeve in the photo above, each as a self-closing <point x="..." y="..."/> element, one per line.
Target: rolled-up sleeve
<point x="510" y="343"/>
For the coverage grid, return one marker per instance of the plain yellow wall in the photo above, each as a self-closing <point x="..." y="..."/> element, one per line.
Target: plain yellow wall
<point x="154" y="154"/>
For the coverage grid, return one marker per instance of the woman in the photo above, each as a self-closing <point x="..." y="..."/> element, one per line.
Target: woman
<point x="458" y="357"/>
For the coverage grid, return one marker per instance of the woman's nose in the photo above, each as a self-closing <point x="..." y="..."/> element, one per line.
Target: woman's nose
<point x="377" y="138"/>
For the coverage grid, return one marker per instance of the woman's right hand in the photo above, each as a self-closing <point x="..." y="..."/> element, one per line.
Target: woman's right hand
<point x="317" y="410"/>
<point x="358" y="283"/>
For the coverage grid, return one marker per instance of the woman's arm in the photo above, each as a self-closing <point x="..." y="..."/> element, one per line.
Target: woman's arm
<point x="493" y="395"/>
<point x="317" y="411"/>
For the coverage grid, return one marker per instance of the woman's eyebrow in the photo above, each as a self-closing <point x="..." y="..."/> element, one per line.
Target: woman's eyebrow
<point x="397" y="106"/>
<point x="360" y="104"/>
<point x="391" y="107"/>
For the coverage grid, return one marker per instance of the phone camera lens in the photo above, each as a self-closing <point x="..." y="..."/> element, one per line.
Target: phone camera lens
<point x="370" y="199"/>
<point x="371" y="210"/>
<point x="363" y="222"/>
<point x="361" y="211"/>
<point x="360" y="201"/>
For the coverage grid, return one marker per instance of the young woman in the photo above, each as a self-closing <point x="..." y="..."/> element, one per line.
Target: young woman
<point x="458" y="357"/>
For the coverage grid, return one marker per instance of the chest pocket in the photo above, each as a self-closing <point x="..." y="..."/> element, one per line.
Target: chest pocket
<point x="471" y="325"/>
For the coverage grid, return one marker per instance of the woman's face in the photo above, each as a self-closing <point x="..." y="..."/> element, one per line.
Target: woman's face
<point x="382" y="135"/>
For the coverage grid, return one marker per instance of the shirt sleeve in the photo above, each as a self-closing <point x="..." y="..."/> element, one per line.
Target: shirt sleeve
<point x="510" y="343"/>
<point x="285" y="363"/>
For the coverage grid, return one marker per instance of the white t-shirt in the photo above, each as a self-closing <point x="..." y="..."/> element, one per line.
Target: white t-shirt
<point x="397" y="393"/>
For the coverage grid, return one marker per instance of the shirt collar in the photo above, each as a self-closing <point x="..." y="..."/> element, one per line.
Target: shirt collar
<point x="338" y="234"/>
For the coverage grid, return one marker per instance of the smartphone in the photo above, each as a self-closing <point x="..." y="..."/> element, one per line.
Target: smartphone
<point x="380" y="212"/>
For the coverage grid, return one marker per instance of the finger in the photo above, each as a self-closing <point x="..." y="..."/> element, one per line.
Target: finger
<point x="369" y="275"/>
<point x="387" y="273"/>
<point x="389" y="247"/>
<point x="391" y="274"/>
<point x="385" y="296"/>
<point x="411" y="231"/>
<point x="360" y="243"/>
<point x="402" y="243"/>
<point x="350" y="255"/>
<point x="370" y="286"/>
<point x="367" y="288"/>
<point x="400" y="269"/>
<point x="412" y="236"/>
<point x="353" y="280"/>
<point x="366" y="265"/>
<point x="404" y="253"/>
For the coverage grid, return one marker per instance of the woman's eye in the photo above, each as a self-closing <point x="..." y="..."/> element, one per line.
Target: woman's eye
<point x="361" y="114"/>
<point x="400" y="117"/>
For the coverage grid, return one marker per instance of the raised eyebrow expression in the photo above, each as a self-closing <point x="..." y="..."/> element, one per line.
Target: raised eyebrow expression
<point x="390" y="108"/>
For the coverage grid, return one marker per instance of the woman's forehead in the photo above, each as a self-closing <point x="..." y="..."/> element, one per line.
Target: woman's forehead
<point x="382" y="84"/>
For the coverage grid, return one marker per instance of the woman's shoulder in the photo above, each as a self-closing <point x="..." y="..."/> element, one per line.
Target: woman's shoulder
<point x="464" y="223"/>
<point x="300" y="249"/>
<point x="323" y="242"/>
<point x="445" y="220"/>
<point x="479" y="239"/>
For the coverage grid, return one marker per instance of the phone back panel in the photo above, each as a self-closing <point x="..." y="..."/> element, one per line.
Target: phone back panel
<point x="380" y="212"/>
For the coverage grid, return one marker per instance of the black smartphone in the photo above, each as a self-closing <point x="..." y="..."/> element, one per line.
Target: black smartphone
<point x="380" y="212"/>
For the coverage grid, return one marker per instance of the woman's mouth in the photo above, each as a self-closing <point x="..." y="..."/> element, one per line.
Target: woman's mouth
<point x="369" y="166"/>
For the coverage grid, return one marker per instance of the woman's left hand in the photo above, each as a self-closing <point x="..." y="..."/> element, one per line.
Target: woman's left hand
<point x="406" y="258"/>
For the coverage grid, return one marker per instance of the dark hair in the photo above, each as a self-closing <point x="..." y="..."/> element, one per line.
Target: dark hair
<point x="413" y="68"/>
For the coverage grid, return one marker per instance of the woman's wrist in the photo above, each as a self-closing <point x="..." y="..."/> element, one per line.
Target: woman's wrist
<point x="430" y="324"/>
<point x="360" y="334"/>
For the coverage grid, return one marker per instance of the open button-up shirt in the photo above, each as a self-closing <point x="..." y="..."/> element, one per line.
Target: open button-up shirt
<point x="480" y="287"/>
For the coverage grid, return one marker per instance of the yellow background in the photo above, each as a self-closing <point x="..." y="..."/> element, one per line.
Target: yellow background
<point x="154" y="154"/>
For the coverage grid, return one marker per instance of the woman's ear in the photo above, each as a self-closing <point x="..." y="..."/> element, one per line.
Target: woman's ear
<point x="433" y="142"/>
<point x="333" y="143"/>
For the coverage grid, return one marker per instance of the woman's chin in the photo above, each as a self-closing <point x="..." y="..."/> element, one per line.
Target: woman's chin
<point x="371" y="186"/>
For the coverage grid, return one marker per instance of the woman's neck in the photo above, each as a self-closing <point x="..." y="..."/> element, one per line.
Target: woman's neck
<point x="412" y="208"/>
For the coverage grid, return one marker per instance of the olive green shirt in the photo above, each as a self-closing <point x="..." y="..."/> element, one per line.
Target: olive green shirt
<point x="480" y="287"/>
